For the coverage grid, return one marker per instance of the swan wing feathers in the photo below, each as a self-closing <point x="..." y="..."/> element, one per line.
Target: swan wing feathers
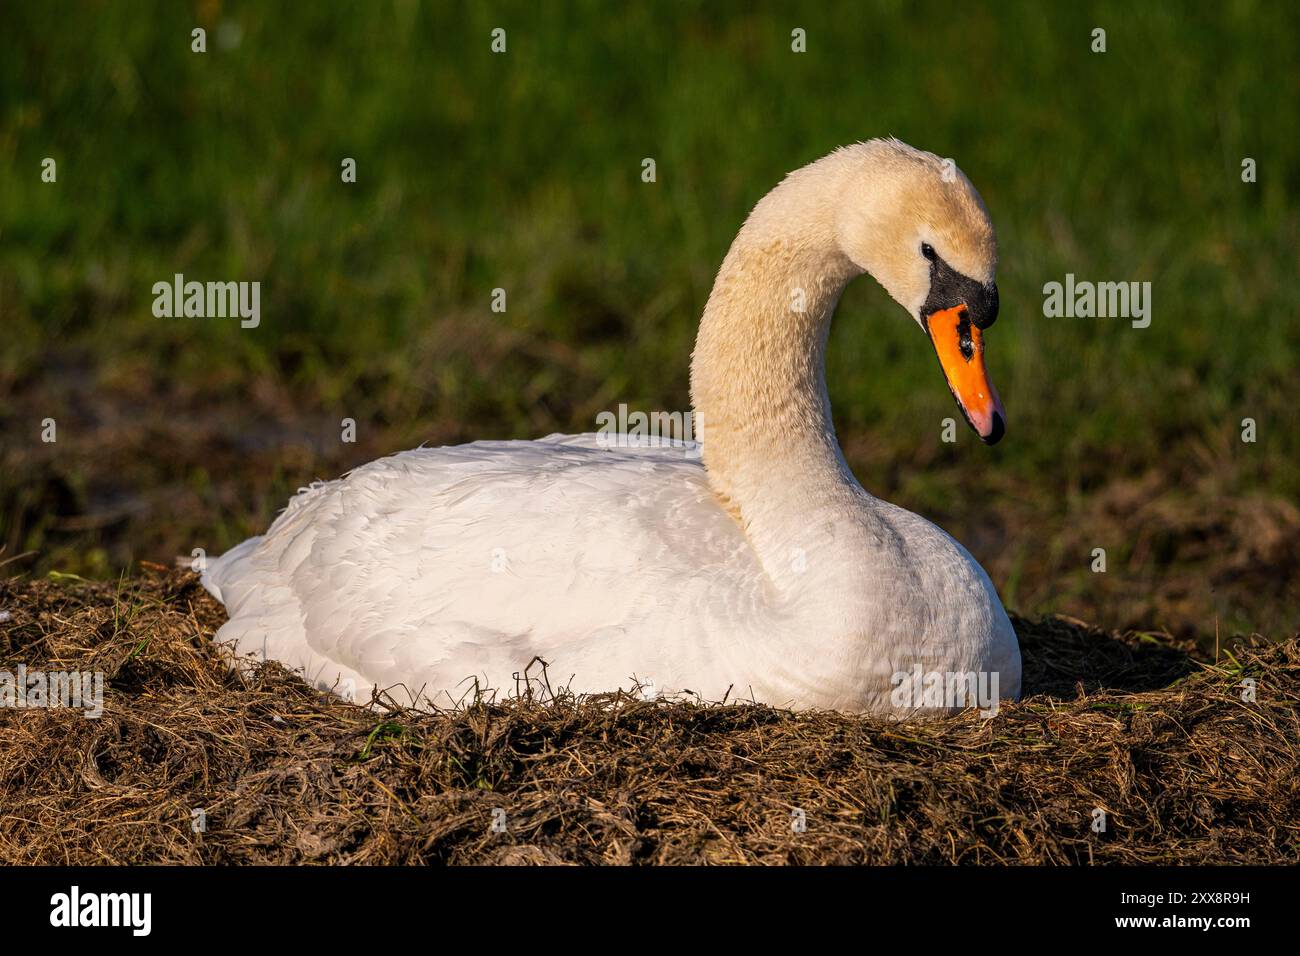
<point x="467" y="562"/>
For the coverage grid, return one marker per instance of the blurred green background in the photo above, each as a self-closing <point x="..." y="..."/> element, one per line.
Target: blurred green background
<point x="522" y="171"/>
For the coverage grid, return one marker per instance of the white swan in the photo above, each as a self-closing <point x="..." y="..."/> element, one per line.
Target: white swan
<point x="762" y="572"/>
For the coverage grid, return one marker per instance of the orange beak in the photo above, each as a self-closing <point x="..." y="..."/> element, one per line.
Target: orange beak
<point x="960" y="347"/>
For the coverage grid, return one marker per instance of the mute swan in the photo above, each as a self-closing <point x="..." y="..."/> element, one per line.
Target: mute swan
<point x="763" y="571"/>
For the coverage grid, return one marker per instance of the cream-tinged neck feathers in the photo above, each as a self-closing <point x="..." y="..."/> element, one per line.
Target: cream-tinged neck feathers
<point x="758" y="381"/>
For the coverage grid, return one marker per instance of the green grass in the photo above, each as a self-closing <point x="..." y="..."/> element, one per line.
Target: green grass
<point x="522" y="171"/>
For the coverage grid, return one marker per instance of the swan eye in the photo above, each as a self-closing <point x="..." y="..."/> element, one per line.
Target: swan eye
<point x="927" y="250"/>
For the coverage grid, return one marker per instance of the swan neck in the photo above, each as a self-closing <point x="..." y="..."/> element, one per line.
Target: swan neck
<point x="758" y="380"/>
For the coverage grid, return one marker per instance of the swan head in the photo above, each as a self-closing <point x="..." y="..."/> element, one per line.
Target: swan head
<point x="917" y="225"/>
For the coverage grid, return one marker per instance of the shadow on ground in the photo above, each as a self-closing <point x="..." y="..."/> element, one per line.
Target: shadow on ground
<point x="1066" y="658"/>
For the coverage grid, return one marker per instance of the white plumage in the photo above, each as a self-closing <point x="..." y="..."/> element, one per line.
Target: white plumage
<point x="491" y="554"/>
<point x="769" y="575"/>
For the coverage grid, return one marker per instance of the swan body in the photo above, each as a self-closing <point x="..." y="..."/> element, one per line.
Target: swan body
<point x="749" y="566"/>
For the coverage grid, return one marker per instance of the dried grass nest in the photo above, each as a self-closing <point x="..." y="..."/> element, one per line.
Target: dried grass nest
<point x="1184" y="769"/>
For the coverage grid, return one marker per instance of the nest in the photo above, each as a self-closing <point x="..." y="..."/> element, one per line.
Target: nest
<point x="1126" y="749"/>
